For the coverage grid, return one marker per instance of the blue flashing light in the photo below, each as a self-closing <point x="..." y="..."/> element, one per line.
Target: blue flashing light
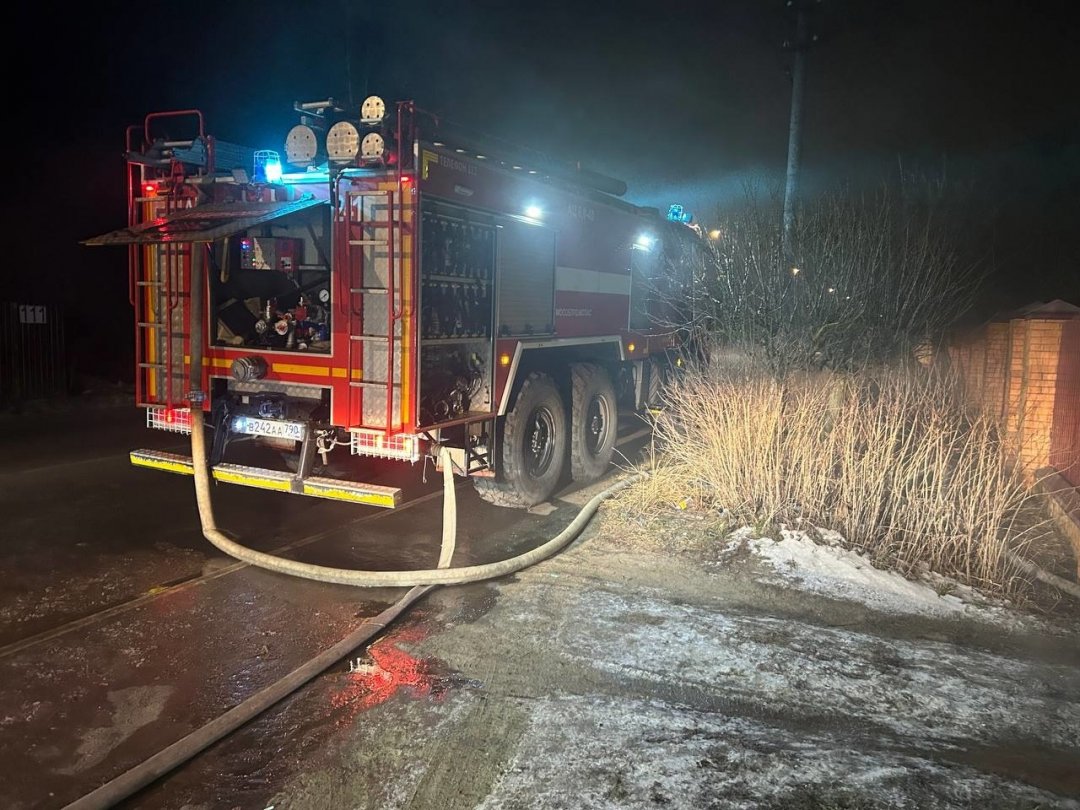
<point x="676" y="213"/>
<point x="273" y="171"/>
<point x="267" y="166"/>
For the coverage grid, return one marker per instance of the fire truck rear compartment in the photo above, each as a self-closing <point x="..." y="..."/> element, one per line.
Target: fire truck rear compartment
<point x="270" y="286"/>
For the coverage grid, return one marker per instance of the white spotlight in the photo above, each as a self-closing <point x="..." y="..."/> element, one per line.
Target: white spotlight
<point x="373" y="146"/>
<point x="342" y="142"/>
<point x="534" y="211"/>
<point x="372" y="110"/>
<point x="301" y="145"/>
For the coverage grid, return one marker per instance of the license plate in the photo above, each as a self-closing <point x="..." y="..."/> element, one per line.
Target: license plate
<point x="268" y="427"/>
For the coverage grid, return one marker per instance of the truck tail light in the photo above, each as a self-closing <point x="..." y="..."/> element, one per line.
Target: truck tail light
<point x="174" y="420"/>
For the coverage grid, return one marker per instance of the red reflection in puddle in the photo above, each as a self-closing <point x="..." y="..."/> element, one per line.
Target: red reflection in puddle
<point x="389" y="670"/>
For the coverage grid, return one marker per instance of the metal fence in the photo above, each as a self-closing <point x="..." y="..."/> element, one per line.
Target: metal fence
<point x="32" y="358"/>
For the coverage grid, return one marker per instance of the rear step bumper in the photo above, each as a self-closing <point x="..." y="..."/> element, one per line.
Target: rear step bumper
<point x="332" y="488"/>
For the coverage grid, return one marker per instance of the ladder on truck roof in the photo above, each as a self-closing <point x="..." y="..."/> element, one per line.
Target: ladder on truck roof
<point x="378" y="309"/>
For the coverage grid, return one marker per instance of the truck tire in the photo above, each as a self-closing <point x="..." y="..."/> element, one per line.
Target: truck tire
<point x="533" y="447"/>
<point x="594" y="421"/>
<point x="658" y="376"/>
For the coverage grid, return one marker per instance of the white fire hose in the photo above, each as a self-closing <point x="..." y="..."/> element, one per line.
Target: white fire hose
<point x="422" y="581"/>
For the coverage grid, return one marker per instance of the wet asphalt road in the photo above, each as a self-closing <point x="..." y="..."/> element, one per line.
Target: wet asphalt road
<point x="122" y="629"/>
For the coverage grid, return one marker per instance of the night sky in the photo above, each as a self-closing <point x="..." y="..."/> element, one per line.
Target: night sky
<point x="684" y="101"/>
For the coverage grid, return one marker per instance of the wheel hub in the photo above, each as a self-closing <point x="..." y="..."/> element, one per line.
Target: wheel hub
<point x="595" y="425"/>
<point x="540" y="442"/>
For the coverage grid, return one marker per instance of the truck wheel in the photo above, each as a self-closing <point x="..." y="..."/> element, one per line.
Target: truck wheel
<point x="657" y="377"/>
<point x="533" y="447"/>
<point x="594" y="421"/>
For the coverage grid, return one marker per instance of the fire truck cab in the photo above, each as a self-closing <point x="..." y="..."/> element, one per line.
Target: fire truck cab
<point x="390" y="286"/>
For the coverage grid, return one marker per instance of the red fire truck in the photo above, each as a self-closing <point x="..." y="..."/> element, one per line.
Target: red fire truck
<point x="394" y="285"/>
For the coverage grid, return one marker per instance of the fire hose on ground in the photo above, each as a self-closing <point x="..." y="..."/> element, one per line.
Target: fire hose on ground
<point x="421" y="582"/>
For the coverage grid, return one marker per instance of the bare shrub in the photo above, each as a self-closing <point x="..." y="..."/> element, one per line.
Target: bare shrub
<point x="873" y="275"/>
<point x="888" y="457"/>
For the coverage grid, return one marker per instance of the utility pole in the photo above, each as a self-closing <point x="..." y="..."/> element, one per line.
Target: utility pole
<point x="803" y="38"/>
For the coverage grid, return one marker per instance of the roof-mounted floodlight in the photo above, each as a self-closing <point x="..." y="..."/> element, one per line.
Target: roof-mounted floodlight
<point x="373" y="110"/>
<point x="534" y="211"/>
<point x="644" y="242"/>
<point x="373" y="146"/>
<point x="301" y="145"/>
<point x="343" y="142"/>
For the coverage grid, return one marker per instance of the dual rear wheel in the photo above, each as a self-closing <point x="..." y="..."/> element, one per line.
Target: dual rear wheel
<point x="537" y="434"/>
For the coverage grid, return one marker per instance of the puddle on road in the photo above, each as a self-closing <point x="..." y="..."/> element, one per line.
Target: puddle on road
<point x="310" y="725"/>
<point x="388" y="670"/>
<point x="1039" y="766"/>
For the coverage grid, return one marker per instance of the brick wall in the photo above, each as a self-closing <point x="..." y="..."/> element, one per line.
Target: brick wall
<point x="1065" y="431"/>
<point x="1026" y="371"/>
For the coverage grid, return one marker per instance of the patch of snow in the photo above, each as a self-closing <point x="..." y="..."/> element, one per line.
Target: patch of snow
<point x="831" y="570"/>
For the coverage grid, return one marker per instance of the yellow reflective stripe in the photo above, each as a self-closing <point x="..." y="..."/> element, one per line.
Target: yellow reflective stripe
<point x="286" y="368"/>
<point x="370" y="498"/>
<point x="162" y="464"/>
<point x="295" y="368"/>
<point x="343" y="373"/>
<point x="230" y="477"/>
<point x="345" y="492"/>
<point x="216" y="362"/>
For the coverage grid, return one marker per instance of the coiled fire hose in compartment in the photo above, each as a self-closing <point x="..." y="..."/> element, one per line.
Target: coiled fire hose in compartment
<point x="421" y="581"/>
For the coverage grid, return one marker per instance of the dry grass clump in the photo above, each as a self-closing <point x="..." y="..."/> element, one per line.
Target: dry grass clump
<point x="889" y="458"/>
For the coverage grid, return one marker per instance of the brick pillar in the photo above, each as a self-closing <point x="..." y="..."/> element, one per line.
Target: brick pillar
<point x="996" y="343"/>
<point x="1030" y="389"/>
